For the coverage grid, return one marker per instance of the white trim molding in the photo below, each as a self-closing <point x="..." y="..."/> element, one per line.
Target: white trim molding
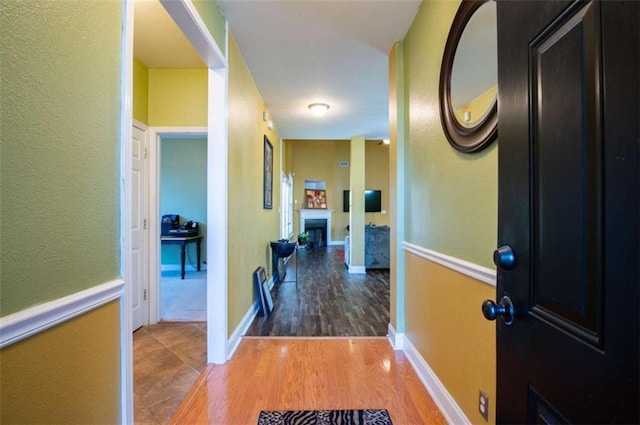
<point x="23" y="324"/>
<point x="316" y="214"/>
<point x="395" y="339"/>
<point x="357" y="270"/>
<point x="156" y="134"/>
<point x="448" y="406"/>
<point x="475" y="271"/>
<point x="186" y="16"/>
<point x="126" y="215"/>
<point x="242" y="327"/>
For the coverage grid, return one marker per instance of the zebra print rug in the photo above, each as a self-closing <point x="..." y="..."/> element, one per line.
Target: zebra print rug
<point x="325" y="417"/>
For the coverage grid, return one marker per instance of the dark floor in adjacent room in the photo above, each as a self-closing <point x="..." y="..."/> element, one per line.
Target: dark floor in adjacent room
<point x="330" y="301"/>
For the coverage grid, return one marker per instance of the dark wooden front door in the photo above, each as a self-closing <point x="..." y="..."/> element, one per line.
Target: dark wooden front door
<point x="568" y="208"/>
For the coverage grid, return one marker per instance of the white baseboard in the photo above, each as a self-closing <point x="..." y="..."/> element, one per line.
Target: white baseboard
<point x="448" y="406"/>
<point x="357" y="269"/>
<point x="25" y="323"/>
<point x="395" y="339"/>
<point x="243" y="326"/>
<point x="236" y="336"/>
<point x="336" y="243"/>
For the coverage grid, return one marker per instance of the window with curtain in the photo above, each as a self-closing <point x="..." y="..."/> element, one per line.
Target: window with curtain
<point x="286" y="206"/>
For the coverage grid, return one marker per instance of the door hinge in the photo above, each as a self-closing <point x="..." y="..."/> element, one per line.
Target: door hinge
<point x="144" y="224"/>
<point x="144" y="295"/>
<point x="146" y="153"/>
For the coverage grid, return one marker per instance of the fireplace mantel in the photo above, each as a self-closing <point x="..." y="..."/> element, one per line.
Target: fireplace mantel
<point x="316" y="214"/>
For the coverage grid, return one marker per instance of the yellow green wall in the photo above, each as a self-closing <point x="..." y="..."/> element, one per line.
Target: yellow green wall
<point x="178" y="97"/>
<point x="287" y="157"/>
<point x="140" y="92"/>
<point x="60" y="149"/>
<point x="396" y="118"/>
<point x="250" y="226"/>
<point x="69" y="374"/>
<point x="445" y="324"/>
<point x="451" y="208"/>
<point x="320" y="160"/>
<point x="377" y="178"/>
<point x="60" y="109"/>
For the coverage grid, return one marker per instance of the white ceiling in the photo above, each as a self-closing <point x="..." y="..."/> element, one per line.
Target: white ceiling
<point x="300" y="52"/>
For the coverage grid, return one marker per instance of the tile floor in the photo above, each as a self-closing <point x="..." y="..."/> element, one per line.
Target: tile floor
<point x="167" y="359"/>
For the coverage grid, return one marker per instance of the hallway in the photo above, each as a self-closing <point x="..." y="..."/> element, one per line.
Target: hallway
<point x="169" y="357"/>
<point x="330" y="301"/>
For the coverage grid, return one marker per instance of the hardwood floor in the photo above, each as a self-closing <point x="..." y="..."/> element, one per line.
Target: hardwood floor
<point x="330" y="301"/>
<point x="308" y="374"/>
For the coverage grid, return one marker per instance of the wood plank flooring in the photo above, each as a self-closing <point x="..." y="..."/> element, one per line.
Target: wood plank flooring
<point x="311" y="374"/>
<point x="330" y="301"/>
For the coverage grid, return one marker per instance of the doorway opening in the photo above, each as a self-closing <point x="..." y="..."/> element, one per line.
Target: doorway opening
<point x="183" y="259"/>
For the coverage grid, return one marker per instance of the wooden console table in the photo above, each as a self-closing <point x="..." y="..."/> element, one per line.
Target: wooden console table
<point x="183" y="241"/>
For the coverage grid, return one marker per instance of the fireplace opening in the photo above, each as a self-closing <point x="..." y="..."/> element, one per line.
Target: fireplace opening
<point x="317" y="229"/>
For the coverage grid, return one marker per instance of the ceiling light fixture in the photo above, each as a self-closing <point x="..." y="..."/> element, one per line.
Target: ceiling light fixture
<point x="318" y="109"/>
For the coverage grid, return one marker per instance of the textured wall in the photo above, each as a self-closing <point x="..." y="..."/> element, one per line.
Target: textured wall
<point x="69" y="374"/>
<point x="140" y="92"/>
<point x="183" y="190"/>
<point x="450" y="207"/>
<point x="59" y="227"/>
<point x="178" y="97"/>
<point x="451" y="197"/>
<point x="250" y="226"/>
<point x="445" y="324"/>
<point x="395" y="117"/>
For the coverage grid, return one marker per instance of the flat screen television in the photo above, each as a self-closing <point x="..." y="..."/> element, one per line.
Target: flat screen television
<point x="372" y="201"/>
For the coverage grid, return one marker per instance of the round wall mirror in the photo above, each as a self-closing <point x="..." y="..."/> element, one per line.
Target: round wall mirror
<point x="469" y="77"/>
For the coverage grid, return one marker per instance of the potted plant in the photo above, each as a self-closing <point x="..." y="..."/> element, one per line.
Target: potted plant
<point x="303" y="238"/>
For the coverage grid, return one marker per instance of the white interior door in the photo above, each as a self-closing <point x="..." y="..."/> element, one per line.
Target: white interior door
<point x="139" y="238"/>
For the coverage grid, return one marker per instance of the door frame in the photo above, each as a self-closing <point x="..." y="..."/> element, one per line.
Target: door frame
<point x="146" y="199"/>
<point x="184" y="13"/>
<point x="155" y="138"/>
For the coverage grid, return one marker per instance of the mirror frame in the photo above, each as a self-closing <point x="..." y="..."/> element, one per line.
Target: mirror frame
<point x="463" y="139"/>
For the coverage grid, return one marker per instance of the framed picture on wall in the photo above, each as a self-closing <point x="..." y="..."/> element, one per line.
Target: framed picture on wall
<point x="316" y="198"/>
<point x="267" y="199"/>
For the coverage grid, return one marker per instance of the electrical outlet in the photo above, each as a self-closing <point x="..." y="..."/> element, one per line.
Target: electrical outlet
<point x="483" y="405"/>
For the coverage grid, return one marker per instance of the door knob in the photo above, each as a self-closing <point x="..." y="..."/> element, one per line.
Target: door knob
<point x="503" y="257"/>
<point x="504" y="309"/>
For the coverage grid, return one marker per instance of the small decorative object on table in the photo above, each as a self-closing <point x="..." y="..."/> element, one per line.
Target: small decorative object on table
<point x="303" y="238"/>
